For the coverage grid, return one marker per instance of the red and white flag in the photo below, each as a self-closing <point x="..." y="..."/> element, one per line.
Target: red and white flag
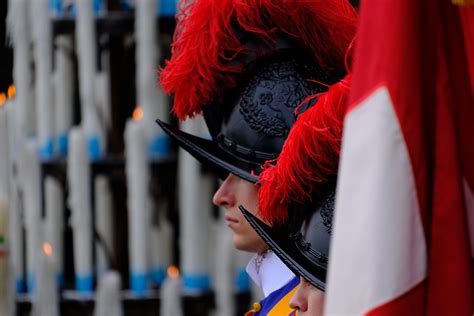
<point x="403" y="239"/>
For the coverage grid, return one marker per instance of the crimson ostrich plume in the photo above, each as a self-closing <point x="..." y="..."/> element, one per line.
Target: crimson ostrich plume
<point x="309" y="158"/>
<point x="206" y="46"/>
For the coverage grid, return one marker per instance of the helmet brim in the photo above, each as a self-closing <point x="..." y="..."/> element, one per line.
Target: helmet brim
<point x="210" y="154"/>
<point x="285" y="248"/>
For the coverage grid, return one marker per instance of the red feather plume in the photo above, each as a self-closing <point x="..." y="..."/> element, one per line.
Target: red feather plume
<point x="204" y="42"/>
<point x="309" y="158"/>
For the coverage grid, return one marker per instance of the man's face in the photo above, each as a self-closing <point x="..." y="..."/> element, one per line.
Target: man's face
<point x="233" y="192"/>
<point x="307" y="300"/>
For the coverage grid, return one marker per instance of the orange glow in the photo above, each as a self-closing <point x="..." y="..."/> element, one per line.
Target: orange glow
<point x="137" y="114"/>
<point x="48" y="249"/>
<point x="173" y="272"/>
<point x="11" y="91"/>
<point x="3" y="99"/>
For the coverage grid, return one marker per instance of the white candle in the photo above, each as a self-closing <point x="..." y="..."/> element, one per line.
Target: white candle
<point x="15" y="226"/>
<point x="4" y="276"/>
<point x="7" y="281"/>
<point x="16" y="239"/>
<point x="160" y="245"/>
<point x="64" y="90"/>
<point x="79" y="180"/>
<point x="162" y="105"/>
<point x="5" y="191"/>
<point x="108" y="300"/>
<point x="195" y="191"/>
<point x="46" y="299"/>
<point x="4" y="153"/>
<point x="42" y="35"/>
<point x="149" y="96"/>
<point x="224" y="269"/>
<point x="30" y="178"/>
<point x="138" y="179"/>
<point x="154" y="104"/>
<point x="103" y="223"/>
<point x="19" y="29"/>
<point x="54" y="222"/>
<point x="87" y="54"/>
<point x="170" y="294"/>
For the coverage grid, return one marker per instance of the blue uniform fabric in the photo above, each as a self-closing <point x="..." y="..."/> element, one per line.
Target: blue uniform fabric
<point x="275" y="297"/>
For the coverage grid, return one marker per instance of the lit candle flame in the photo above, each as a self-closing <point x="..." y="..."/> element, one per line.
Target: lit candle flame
<point x="137" y="114"/>
<point x="3" y="99"/>
<point x="173" y="272"/>
<point x="11" y="91"/>
<point x="48" y="249"/>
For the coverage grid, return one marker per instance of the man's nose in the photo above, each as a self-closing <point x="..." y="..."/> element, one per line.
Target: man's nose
<point x="225" y="195"/>
<point x="299" y="300"/>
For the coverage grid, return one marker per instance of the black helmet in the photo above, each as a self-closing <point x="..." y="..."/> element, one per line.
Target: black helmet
<point x="263" y="107"/>
<point x="249" y="68"/>
<point x="303" y="242"/>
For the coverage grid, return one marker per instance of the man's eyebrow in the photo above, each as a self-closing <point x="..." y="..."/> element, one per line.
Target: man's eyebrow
<point x="304" y="282"/>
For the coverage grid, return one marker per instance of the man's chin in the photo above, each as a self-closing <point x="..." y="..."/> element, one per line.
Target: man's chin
<point x="241" y="245"/>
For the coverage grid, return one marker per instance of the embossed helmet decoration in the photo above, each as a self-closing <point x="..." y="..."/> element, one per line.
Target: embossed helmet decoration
<point x="249" y="67"/>
<point x="297" y="195"/>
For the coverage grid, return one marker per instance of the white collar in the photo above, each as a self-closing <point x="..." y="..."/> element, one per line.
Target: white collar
<point x="272" y="275"/>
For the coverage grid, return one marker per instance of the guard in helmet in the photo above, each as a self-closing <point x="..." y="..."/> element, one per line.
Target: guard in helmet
<point x="297" y="198"/>
<point x="249" y="66"/>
